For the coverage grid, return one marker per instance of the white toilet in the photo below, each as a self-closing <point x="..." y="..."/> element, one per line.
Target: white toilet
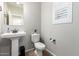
<point x="39" y="46"/>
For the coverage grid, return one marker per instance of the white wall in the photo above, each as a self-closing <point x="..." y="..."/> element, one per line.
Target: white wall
<point x="4" y="44"/>
<point x="1" y="16"/>
<point x="32" y="20"/>
<point x="66" y="35"/>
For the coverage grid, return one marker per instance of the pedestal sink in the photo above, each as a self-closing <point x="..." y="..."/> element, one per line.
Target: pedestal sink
<point x="14" y="37"/>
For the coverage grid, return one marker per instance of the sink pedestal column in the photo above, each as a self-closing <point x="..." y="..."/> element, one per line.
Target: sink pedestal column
<point x="15" y="47"/>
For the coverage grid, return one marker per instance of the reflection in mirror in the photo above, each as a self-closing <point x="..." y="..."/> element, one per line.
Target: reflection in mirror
<point x="13" y="13"/>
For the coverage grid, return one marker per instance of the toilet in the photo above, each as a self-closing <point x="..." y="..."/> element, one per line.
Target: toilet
<point x="39" y="46"/>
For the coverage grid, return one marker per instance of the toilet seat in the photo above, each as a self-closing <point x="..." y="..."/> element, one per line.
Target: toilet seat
<point x="39" y="46"/>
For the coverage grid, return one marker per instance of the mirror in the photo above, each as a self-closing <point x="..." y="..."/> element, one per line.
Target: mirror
<point x="13" y="13"/>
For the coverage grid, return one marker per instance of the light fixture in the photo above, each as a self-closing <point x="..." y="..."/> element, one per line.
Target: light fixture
<point x="17" y="2"/>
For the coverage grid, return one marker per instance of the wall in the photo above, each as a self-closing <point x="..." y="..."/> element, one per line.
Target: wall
<point x="66" y="35"/>
<point x="4" y="44"/>
<point x="32" y="20"/>
<point x="0" y="18"/>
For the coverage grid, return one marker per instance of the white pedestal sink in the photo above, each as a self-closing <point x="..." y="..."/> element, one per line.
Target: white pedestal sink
<point x="15" y="41"/>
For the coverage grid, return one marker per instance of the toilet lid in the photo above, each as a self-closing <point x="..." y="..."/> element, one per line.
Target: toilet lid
<point x="39" y="45"/>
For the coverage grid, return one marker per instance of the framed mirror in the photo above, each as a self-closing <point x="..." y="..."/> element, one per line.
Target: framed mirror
<point x="13" y="13"/>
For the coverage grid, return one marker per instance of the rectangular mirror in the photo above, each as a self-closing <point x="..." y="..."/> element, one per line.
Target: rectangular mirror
<point x="13" y="13"/>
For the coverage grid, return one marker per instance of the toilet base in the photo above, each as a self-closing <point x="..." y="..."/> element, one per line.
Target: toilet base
<point x="38" y="52"/>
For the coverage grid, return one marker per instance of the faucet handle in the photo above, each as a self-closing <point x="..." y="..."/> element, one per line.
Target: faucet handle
<point x="8" y="30"/>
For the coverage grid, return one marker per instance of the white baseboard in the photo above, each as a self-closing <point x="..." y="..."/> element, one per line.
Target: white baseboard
<point x="51" y="52"/>
<point x="29" y="50"/>
<point x="4" y="54"/>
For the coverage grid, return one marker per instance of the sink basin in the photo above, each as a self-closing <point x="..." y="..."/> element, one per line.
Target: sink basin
<point x="13" y="35"/>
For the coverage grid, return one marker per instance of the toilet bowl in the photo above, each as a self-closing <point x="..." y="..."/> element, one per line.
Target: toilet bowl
<point x="39" y="46"/>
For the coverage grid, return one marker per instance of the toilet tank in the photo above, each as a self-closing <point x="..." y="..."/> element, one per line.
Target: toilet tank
<point x="35" y="37"/>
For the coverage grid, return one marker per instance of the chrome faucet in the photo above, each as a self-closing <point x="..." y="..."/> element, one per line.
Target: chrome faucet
<point x="14" y="30"/>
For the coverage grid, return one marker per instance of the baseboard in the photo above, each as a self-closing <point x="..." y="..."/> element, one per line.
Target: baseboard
<point x="29" y="50"/>
<point x="51" y="52"/>
<point x="4" y="54"/>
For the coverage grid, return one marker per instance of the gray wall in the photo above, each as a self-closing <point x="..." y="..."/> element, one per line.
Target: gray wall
<point x="66" y="35"/>
<point x="32" y="20"/>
